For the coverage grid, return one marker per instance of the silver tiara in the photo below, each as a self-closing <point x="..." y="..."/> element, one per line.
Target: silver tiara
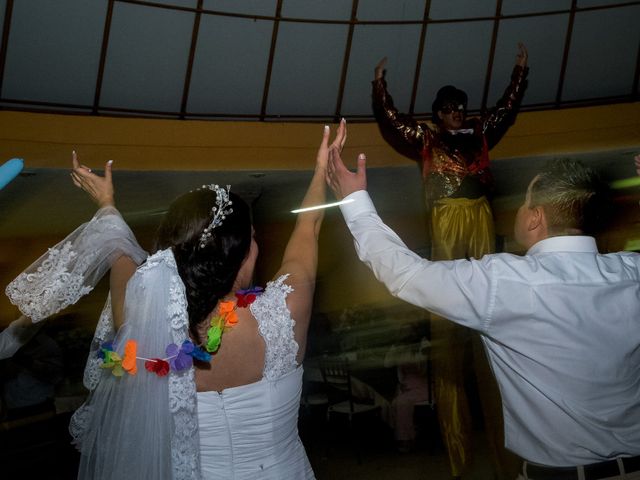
<point x="220" y="210"/>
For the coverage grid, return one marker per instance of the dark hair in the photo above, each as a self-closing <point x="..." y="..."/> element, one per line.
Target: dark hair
<point x="207" y="272"/>
<point x="447" y="94"/>
<point x="574" y="197"/>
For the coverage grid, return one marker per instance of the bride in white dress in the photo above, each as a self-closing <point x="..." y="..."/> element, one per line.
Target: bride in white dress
<point x="191" y="374"/>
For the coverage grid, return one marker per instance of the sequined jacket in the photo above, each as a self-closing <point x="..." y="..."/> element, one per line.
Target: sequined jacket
<point x="446" y="160"/>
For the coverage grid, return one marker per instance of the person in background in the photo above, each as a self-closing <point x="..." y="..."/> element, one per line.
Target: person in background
<point x="452" y="152"/>
<point x="30" y="377"/>
<point x="560" y="325"/>
<point x="410" y="359"/>
<point x="19" y="332"/>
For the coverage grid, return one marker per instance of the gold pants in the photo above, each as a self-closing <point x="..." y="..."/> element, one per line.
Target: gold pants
<point x="463" y="228"/>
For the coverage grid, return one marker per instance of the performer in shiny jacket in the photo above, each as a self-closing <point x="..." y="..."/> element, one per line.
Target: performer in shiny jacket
<point x="453" y="154"/>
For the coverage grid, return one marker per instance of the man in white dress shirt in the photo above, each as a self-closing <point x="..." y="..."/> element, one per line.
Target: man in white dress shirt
<point x="561" y="324"/>
<point x="18" y="333"/>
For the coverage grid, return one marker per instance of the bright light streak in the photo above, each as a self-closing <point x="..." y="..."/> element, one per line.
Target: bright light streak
<point x="625" y="183"/>
<point x="326" y="205"/>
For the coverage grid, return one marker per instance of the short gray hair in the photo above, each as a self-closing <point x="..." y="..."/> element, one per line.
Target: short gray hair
<point x="574" y="197"/>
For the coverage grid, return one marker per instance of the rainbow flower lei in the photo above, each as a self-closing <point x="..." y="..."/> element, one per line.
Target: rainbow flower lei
<point x="179" y="358"/>
<point x="227" y="317"/>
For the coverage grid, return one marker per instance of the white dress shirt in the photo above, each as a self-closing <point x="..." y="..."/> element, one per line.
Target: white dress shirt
<point x="561" y="326"/>
<point x="15" y="336"/>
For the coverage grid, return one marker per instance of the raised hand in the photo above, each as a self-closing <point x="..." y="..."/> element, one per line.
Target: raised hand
<point x="380" y="68"/>
<point x="338" y="143"/>
<point x="522" y="55"/>
<point x="100" y="189"/>
<point x="341" y="181"/>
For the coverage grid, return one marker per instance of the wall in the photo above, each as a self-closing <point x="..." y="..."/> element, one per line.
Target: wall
<point x="141" y="144"/>
<point x="45" y="141"/>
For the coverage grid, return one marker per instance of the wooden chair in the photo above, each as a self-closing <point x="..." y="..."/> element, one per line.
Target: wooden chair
<point x="336" y="375"/>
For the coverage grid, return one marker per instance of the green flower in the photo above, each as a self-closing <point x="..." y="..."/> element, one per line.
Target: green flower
<point x="214" y="336"/>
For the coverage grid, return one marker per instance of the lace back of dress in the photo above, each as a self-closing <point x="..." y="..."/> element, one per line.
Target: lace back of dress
<point x="276" y="327"/>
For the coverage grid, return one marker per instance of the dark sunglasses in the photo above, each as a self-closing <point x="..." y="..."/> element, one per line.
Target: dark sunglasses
<point x="450" y="108"/>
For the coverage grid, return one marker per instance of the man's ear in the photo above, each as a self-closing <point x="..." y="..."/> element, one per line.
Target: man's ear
<point x="535" y="218"/>
<point x="538" y="221"/>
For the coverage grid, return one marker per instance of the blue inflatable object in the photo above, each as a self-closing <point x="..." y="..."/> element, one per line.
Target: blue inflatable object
<point x="10" y="170"/>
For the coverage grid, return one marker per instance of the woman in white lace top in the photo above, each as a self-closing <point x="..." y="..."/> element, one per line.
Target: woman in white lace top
<point x="168" y="399"/>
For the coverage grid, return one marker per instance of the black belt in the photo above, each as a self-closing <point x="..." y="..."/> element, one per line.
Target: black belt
<point x="592" y="471"/>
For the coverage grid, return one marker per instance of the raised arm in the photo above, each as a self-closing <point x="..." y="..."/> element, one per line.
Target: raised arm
<point x="72" y="268"/>
<point x="497" y="120"/>
<point x="402" y="132"/>
<point x="300" y="259"/>
<point x="100" y="189"/>
<point x="440" y="287"/>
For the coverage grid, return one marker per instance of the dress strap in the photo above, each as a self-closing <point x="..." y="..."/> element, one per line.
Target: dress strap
<point x="276" y="327"/>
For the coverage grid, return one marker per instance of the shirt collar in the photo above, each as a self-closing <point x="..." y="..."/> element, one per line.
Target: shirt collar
<point x="568" y="243"/>
<point x="461" y="131"/>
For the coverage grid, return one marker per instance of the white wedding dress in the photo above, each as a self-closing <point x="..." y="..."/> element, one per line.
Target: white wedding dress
<point x="144" y="426"/>
<point x="251" y="431"/>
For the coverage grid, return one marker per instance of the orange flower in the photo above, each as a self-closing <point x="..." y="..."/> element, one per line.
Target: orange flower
<point x="129" y="360"/>
<point x="226" y="307"/>
<point x="231" y="319"/>
<point x="227" y="310"/>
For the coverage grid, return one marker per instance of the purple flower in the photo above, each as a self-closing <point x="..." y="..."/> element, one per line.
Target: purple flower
<point x="178" y="358"/>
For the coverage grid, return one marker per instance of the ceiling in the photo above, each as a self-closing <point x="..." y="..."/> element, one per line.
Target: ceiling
<point x="308" y="59"/>
<point x="299" y="60"/>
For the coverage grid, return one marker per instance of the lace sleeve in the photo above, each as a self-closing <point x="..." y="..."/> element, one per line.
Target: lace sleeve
<point x="71" y="269"/>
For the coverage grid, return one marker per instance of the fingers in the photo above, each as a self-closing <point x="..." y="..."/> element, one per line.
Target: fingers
<point x="362" y="166"/>
<point x="75" y="180"/>
<point x="341" y="135"/>
<point x="76" y="164"/>
<point x="379" y="70"/>
<point x="336" y="165"/>
<point x="331" y="167"/>
<point x="325" y="137"/>
<point x="382" y="63"/>
<point x="107" y="170"/>
<point x="343" y="128"/>
<point x="361" y="171"/>
<point x="80" y="181"/>
<point x="340" y="179"/>
<point x="332" y="176"/>
<point x="522" y="56"/>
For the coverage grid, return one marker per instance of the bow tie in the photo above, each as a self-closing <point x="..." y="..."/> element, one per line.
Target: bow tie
<point x="462" y="131"/>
